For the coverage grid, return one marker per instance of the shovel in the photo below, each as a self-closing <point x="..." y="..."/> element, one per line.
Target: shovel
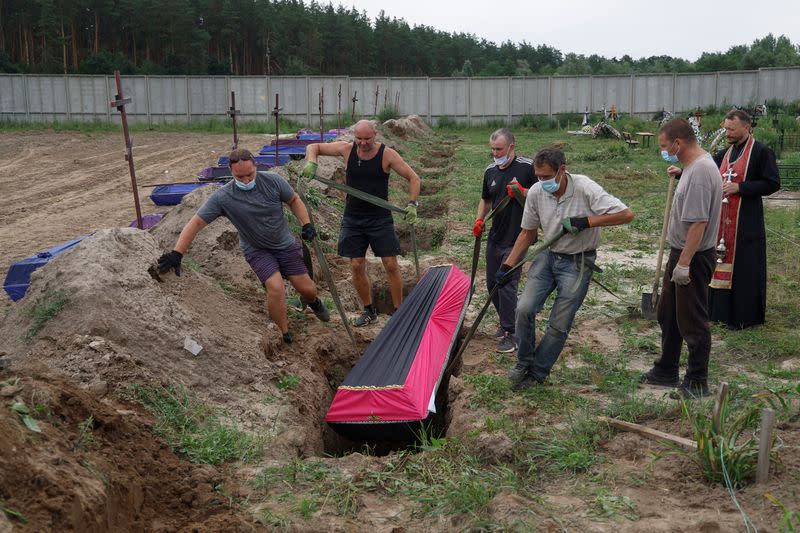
<point x="650" y="300"/>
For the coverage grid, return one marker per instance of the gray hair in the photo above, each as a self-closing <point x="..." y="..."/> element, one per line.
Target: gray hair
<point x="504" y="133"/>
<point x="552" y="157"/>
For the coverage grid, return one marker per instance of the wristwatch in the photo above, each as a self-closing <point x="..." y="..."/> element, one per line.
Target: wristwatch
<point x="414" y="203"/>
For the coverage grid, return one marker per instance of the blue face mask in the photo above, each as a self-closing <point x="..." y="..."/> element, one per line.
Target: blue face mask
<point x="670" y="158"/>
<point x="500" y="161"/>
<point x="245" y="186"/>
<point x="550" y="185"/>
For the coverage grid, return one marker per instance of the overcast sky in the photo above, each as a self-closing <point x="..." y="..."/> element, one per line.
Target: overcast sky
<point x="610" y="28"/>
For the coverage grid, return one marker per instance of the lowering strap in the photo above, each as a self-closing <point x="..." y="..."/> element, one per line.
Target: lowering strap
<point x="374" y="200"/>
<point x="476" y="251"/>
<point x="539" y="248"/>
<point x="323" y="265"/>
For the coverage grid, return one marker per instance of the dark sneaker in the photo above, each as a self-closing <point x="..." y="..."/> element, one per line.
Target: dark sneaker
<point x="517" y="373"/>
<point x="500" y="333"/>
<point x="651" y="378"/>
<point x="528" y="382"/>
<point x="507" y="344"/>
<point x="288" y="337"/>
<point x="690" y="391"/>
<point x="320" y="311"/>
<point x="367" y="317"/>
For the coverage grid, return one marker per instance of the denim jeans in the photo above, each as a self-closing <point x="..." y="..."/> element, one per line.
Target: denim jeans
<point x="550" y="271"/>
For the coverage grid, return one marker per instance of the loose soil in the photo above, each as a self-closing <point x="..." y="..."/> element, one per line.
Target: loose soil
<point x="123" y="325"/>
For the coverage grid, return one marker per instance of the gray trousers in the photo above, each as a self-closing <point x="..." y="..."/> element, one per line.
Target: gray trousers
<point x="505" y="299"/>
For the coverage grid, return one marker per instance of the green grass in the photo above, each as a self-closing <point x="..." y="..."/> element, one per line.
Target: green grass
<point x="211" y="125"/>
<point x="44" y="309"/>
<point x="194" y="429"/>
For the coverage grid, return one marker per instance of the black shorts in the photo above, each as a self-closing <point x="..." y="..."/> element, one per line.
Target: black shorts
<point x="357" y="234"/>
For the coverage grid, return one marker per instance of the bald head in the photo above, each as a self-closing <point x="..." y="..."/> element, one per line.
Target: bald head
<point x="367" y="127"/>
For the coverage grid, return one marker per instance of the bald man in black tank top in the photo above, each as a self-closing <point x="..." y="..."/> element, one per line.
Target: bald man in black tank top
<point x="364" y="224"/>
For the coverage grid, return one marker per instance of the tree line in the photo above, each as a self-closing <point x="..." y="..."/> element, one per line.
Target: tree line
<point x="290" y="37"/>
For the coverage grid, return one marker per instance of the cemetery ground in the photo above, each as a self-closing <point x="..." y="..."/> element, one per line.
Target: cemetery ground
<point x="106" y="423"/>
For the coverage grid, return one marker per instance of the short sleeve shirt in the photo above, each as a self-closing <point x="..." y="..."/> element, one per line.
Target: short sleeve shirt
<point x="257" y="214"/>
<point x="698" y="198"/>
<point x="582" y="198"/>
<point x="506" y="224"/>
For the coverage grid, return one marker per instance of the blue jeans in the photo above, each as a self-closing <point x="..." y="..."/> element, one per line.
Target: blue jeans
<point x="550" y="271"/>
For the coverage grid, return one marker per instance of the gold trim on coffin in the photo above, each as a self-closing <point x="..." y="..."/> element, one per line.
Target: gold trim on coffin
<point x="369" y="387"/>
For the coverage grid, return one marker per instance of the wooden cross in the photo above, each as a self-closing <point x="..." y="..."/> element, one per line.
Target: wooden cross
<point x="276" y="111"/>
<point x="120" y="102"/>
<point x="353" y="113"/>
<point x="232" y="111"/>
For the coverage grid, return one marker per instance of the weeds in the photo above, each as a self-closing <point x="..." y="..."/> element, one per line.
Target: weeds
<point x="44" y="309"/>
<point x="571" y="451"/>
<point x="726" y="454"/>
<point x="194" y="429"/>
<point x="85" y="439"/>
<point x="288" y="382"/>
<point x="11" y="513"/>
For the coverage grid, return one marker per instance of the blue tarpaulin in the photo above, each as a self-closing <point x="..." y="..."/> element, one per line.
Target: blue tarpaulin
<point x="18" y="277"/>
<point x="261" y="159"/>
<point x="173" y="194"/>
<point x="285" y="150"/>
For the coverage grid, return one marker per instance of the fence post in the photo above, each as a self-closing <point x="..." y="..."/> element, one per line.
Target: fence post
<point x="308" y="101"/>
<point x="67" y="97"/>
<point x="510" y="101"/>
<point x="147" y="95"/>
<point x="716" y="89"/>
<point x="633" y="94"/>
<point x="550" y="97"/>
<point x="430" y="113"/>
<point x="188" y="101"/>
<point x="27" y="98"/>
<point x="674" y="81"/>
<point x="469" y="102"/>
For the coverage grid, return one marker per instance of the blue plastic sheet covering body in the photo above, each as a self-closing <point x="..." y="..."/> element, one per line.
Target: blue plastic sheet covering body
<point x="174" y="193"/>
<point x="284" y="150"/>
<point x="18" y="277"/>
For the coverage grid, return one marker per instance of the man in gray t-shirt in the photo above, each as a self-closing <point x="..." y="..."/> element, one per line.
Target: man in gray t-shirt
<point x="692" y="233"/>
<point x="253" y="202"/>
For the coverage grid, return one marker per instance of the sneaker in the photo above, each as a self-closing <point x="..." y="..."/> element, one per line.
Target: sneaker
<point x="288" y="337"/>
<point x="652" y="378"/>
<point x="692" y="390"/>
<point x="526" y="383"/>
<point x="499" y="334"/>
<point x="367" y="317"/>
<point x="517" y="373"/>
<point x="320" y="311"/>
<point x="507" y="344"/>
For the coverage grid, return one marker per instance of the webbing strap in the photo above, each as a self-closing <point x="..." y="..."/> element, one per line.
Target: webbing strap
<point x="323" y="265"/>
<point x="380" y="202"/>
<point x="476" y="252"/>
<point x="541" y="247"/>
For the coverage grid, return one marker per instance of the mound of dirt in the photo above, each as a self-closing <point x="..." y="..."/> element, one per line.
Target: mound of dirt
<point x="410" y="126"/>
<point x="118" y="325"/>
<point x="109" y="474"/>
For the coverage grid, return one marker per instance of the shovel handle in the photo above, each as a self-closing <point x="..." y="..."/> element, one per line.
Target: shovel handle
<point x="663" y="240"/>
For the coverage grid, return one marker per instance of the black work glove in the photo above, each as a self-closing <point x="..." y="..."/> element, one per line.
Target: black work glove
<point x="575" y="225"/>
<point x="500" y="276"/>
<point x="308" y="232"/>
<point x="170" y="260"/>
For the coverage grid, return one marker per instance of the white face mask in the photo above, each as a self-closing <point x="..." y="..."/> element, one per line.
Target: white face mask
<point x="500" y="161"/>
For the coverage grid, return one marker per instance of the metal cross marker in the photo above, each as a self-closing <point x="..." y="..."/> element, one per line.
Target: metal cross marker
<point x="232" y="111"/>
<point x="377" y="90"/>
<point x="120" y="102"/>
<point x="353" y="113"/>
<point x="276" y="111"/>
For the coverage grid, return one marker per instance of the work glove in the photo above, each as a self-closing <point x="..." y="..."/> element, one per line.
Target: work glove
<point x="680" y="275"/>
<point x="310" y="170"/>
<point x="170" y="261"/>
<point x="516" y="190"/>
<point x="478" y="228"/>
<point x="500" y="276"/>
<point x="308" y="232"/>
<point x="575" y="225"/>
<point x="411" y="214"/>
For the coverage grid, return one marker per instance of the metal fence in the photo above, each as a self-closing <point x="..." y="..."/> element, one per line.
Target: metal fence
<point x="159" y="99"/>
